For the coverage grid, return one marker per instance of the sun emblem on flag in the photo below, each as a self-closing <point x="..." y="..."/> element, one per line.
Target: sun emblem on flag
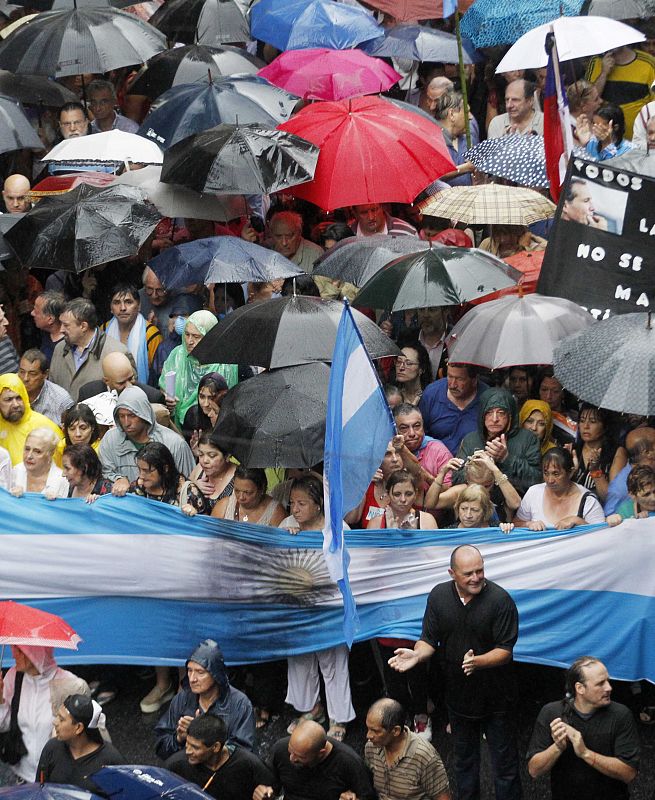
<point x="294" y="576"/>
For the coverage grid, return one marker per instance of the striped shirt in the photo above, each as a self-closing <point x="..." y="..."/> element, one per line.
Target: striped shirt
<point x="417" y="774"/>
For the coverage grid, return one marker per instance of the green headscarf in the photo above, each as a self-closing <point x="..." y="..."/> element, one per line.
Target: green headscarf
<point x="188" y="370"/>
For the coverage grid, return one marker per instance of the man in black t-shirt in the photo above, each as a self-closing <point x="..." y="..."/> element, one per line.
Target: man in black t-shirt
<point x="587" y="743"/>
<point x="473" y="624"/>
<point x="229" y="773"/>
<point x="309" y="766"/>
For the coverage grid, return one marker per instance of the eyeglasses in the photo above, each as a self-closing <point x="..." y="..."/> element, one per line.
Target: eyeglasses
<point x="76" y="123"/>
<point x="150" y="291"/>
<point x="404" y="362"/>
<point x="102" y="101"/>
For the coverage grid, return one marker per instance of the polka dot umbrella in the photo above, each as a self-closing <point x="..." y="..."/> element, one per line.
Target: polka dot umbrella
<point x="519" y="158"/>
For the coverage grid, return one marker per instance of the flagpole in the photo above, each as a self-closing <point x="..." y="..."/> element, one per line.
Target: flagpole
<point x="558" y="86"/>
<point x="462" y="80"/>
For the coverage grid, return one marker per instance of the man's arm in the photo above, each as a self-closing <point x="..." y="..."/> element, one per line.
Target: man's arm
<point x="543" y="761"/>
<point x="404" y="659"/>
<point x="494" y="658"/>
<point x="611" y="766"/>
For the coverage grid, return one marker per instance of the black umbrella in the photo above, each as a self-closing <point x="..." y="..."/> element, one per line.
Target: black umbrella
<point x="16" y="131"/>
<point x="7" y="222"/>
<point x="206" y="21"/>
<point x="240" y="158"/>
<point x="60" y="5"/>
<point x="520" y="159"/>
<point x="285" y="331"/>
<point x="358" y="258"/>
<point x="611" y="364"/>
<point x="35" y="90"/>
<point x="191" y="64"/>
<point x="83" y="228"/>
<point x="184" y="110"/>
<point x="276" y="419"/>
<point x="90" y="39"/>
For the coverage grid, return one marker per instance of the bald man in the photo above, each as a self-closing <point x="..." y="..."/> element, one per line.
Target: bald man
<point x="16" y="194"/>
<point x="475" y="624"/>
<point x="117" y="374"/>
<point x="309" y="765"/>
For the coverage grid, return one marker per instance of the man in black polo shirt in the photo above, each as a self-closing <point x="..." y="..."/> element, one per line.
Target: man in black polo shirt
<point x="309" y="766"/>
<point x="587" y="743"/>
<point x="473" y="625"/>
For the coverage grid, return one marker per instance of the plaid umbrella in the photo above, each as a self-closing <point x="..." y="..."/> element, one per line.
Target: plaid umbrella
<point x="520" y="159"/>
<point x="612" y="364"/>
<point x="490" y="204"/>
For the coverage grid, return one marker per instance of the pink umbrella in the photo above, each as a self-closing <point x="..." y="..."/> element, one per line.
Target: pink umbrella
<point x="324" y="74"/>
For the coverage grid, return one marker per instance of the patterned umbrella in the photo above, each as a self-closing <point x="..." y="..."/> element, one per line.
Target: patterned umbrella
<point x="490" y="204"/>
<point x="520" y="159"/>
<point x="619" y="9"/>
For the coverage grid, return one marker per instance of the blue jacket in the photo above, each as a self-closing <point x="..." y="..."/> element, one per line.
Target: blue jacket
<point x="442" y="419"/>
<point x="232" y="706"/>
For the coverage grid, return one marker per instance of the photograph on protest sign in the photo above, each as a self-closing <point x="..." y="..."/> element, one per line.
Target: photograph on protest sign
<point x="599" y="250"/>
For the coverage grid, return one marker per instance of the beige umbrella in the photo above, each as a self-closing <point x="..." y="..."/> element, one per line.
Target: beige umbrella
<point x="490" y="204"/>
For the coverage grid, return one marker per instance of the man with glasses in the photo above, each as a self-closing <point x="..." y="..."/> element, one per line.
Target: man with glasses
<point x="102" y="102"/>
<point x="157" y="303"/>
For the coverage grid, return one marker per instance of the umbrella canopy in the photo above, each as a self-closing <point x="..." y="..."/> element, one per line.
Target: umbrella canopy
<point x="191" y="64"/>
<point x="276" y="419"/>
<point x="91" y="39"/>
<point x="356" y="259"/>
<point x="619" y="9"/>
<point x="440" y="276"/>
<point x="520" y="159"/>
<point x="576" y="37"/>
<point x="184" y="110"/>
<point x="220" y="259"/>
<point x="420" y="43"/>
<point x="243" y="158"/>
<point x="207" y="21"/>
<point x="528" y="263"/>
<point x="83" y="228"/>
<point x="21" y="624"/>
<point x="47" y="791"/>
<point x="371" y="152"/>
<point x="329" y="74"/>
<point x="637" y="161"/>
<point x="488" y="23"/>
<point x="611" y="365"/>
<point x="412" y="109"/>
<point x="35" y="90"/>
<point x="285" y="331"/>
<point x="178" y="201"/>
<point x="515" y="330"/>
<point x="16" y="131"/>
<point x="109" y="147"/>
<point x="145" y="783"/>
<point x="490" y="204"/>
<point x="60" y="5"/>
<point x="297" y="24"/>
<point x="404" y="10"/>
<point x="7" y="222"/>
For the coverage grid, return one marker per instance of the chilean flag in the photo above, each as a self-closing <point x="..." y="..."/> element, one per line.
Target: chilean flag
<point x="558" y="136"/>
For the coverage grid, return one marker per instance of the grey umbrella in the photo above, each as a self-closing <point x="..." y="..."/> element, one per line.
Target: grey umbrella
<point x="611" y="364"/>
<point x="16" y="132"/>
<point x="637" y="161"/>
<point x="35" y="90"/>
<point x="276" y="419"/>
<point x="202" y="21"/>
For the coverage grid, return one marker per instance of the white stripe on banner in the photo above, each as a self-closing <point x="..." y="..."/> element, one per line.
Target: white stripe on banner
<point x="361" y="383"/>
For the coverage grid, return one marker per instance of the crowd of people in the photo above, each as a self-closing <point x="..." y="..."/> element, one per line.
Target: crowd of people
<point x="101" y="394"/>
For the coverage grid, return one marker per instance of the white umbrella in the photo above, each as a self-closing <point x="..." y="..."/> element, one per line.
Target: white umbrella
<point x="515" y="330"/>
<point x="111" y="147"/>
<point x="178" y="201"/>
<point x="576" y="37"/>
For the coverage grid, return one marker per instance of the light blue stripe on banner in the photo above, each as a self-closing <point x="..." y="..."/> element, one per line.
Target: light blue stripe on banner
<point x="556" y="627"/>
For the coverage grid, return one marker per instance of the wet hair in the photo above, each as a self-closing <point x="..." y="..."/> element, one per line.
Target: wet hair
<point x="80" y="707"/>
<point x="476" y="494"/>
<point x="640" y="478"/>
<point x="448" y="100"/>
<point x="336" y="231"/>
<point x="305" y="285"/>
<point x="611" y="113"/>
<point x="477" y="473"/>
<point x="424" y="365"/>
<point x="208" y="437"/>
<point x="404" y="409"/>
<point x="77" y="413"/>
<point x="559" y="457"/>
<point x="84" y="458"/>
<point x="578" y="93"/>
<point x="608" y="443"/>
<point x="209" y="729"/>
<point x="392" y="714"/>
<point x="53" y="303"/>
<point x="33" y="355"/>
<point x="157" y="456"/>
<point x="292" y="218"/>
<point x="101" y="85"/>
<point x="312" y="486"/>
<point x="254" y="475"/>
<point x="529" y="88"/>
<point x="125" y="290"/>
<point x="400" y="476"/>
<point x="72" y="106"/>
<point x="82" y="310"/>
<point x="574" y="674"/>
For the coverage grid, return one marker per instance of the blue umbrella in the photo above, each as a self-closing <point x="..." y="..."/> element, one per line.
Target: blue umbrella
<point x="420" y="43"/>
<point x="297" y="24"/>
<point x="133" y="782"/>
<point x="492" y="22"/>
<point x="191" y="108"/>
<point x="47" y="791"/>
<point x="220" y="259"/>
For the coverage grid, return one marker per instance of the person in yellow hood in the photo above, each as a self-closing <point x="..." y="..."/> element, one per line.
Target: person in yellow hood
<point x="17" y="419"/>
<point x="536" y="416"/>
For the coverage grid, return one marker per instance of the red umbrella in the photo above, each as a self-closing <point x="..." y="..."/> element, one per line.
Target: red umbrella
<point x="21" y="624"/>
<point x="412" y="10"/>
<point x="324" y="74"/>
<point x="529" y="263"/>
<point x="371" y="152"/>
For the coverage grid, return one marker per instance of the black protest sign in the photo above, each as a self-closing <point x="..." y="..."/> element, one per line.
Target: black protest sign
<point x="601" y="249"/>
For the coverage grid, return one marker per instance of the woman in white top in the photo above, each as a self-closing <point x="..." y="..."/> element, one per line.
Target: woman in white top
<point x="37" y="472"/>
<point x="558" y="502"/>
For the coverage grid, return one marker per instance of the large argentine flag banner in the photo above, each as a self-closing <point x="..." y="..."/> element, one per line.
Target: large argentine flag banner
<point x="358" y="428"/>
<point x="143" y="584"/>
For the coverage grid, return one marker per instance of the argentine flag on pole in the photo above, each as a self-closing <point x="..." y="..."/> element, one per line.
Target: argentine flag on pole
<point x="358" y="428"/>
